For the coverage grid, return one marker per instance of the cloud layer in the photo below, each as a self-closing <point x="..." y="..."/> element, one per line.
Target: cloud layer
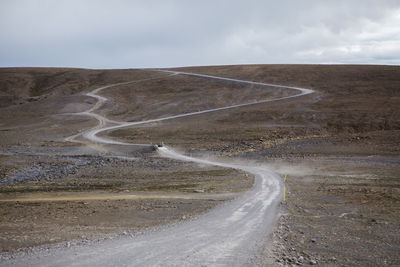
<point x="165" y="33"/>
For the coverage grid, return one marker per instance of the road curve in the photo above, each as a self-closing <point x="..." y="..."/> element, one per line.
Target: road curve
<point x="225" y="236"/>
<point x="92" y="134"/>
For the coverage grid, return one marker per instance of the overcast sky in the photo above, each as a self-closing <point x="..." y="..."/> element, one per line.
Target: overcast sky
<point x="163" y="33"/>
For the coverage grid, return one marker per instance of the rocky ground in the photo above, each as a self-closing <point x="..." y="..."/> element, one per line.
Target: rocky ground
<point x="343" y="212"/>
<point x="52" y="198"/>
<point x="338" y="147"/>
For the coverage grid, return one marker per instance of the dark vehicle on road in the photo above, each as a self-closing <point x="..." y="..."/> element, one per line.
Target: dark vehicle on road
<point x="156" y="146"/>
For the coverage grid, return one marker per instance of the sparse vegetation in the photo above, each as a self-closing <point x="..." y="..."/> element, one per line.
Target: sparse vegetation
<point x="350" y="126"/>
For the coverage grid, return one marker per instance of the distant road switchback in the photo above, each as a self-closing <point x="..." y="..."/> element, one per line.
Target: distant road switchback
<point x="228" y="235"/>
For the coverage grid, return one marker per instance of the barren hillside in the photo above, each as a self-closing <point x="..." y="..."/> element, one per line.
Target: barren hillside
<point x="338" y="148"/>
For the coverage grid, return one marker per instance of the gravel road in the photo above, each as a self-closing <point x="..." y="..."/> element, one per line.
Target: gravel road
<point x="225" y="236"/>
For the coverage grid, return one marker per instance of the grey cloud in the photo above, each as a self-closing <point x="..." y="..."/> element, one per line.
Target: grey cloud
<point x="118" y="34"/>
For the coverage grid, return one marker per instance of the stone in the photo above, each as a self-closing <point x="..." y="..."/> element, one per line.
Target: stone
<point x="300" y="259"/>
<point x="198" y="191"/>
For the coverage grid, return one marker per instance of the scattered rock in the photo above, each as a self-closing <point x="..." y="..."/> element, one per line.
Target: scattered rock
<point x="198" y="191"/>
<point x="300" y="259"/>
<point x="313" y="240"/>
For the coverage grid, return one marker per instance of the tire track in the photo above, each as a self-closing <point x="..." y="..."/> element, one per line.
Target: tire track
<point x="225" y="236"/>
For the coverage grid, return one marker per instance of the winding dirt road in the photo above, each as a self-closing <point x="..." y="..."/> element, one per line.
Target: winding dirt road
<point x="225" y="236"/>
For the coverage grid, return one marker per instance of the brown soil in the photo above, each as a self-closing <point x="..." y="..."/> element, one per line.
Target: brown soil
<point x="338" y="146"/>
<point x="25" y="224"/>
<point x="339" y="212"/>
<point x="67" y="198"/>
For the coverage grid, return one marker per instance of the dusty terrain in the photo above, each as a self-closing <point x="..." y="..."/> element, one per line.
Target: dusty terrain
<point x="72" y="191"/>
<point x="339" y="148"/>
<point x="86" y="196"/>
<point x="339" y="212"/>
